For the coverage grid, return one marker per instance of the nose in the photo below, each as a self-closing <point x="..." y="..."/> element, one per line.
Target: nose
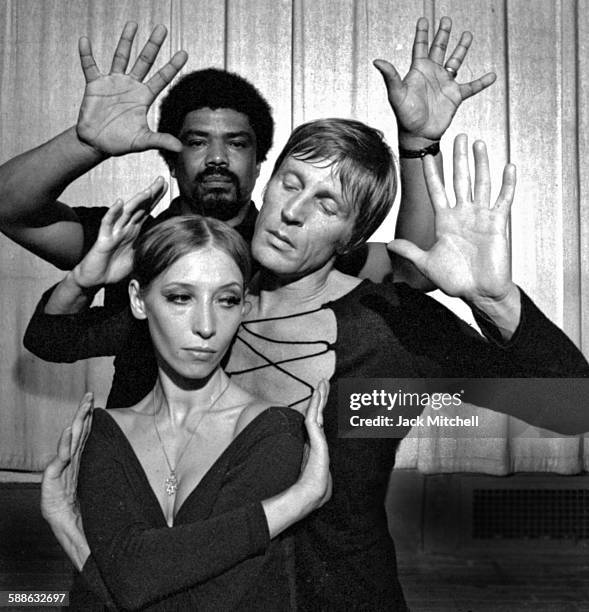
<point x="203" y="322"/>
<point x="216" y="154"/>
<point x="293" y="210"/>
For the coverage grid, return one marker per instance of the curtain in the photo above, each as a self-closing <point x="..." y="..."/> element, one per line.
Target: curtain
<point x="312" y="59"/>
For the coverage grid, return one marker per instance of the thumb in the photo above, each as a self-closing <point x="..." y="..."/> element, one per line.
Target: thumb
<point x="63" y="446"/>
<point x="56" y="466"/>
<point x="392" y="78"/>
<point x="159" y="140"/>
<point x="408" y="250"/>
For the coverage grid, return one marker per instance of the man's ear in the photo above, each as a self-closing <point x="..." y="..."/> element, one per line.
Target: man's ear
<point x="258" y="167"/>
<point x="137" y="303"/>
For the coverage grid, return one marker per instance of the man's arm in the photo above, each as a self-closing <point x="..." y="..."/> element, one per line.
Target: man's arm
<point x="424" y="103"/>
<point x="30" y="212"/>
<point x="471" y="260"/>
<point x="112" y="121"/>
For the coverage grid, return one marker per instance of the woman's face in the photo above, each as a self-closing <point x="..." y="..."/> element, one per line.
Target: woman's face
<point x="193" y="310"/>
<point x="303" y="220"/>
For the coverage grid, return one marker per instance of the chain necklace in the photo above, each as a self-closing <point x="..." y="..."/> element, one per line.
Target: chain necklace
<point x="172" y="479"/>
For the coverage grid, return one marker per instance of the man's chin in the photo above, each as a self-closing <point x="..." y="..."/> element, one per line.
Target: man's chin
<point x="220" y="208"/>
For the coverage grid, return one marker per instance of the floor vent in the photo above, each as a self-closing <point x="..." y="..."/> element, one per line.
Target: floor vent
<point x="550" y="514"/>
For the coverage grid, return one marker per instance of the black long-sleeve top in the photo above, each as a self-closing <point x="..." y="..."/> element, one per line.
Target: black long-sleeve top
<point x="218" y="555"/>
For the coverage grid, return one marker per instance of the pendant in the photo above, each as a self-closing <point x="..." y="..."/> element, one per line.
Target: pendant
<point x="171" y="483"/>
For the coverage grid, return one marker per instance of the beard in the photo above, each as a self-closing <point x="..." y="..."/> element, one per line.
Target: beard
<point x="218" y="194"/>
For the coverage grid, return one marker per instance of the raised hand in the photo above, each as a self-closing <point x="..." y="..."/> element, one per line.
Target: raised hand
<point x="470" y="257"/>
<point x="59" y="505"/>
<point x="113" y="113"/>
<point x="111" y="257"/>
<point x="315" y="477"/>
<point x="427" y="99"/>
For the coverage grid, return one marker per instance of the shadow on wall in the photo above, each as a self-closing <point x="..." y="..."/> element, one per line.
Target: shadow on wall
<point x="66" y="382"/>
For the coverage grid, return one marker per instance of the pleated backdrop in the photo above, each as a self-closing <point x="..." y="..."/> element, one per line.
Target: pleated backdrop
<point x="311" y="59"/>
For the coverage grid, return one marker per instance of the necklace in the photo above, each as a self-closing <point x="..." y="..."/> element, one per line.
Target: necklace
<point x="172" y="479"/>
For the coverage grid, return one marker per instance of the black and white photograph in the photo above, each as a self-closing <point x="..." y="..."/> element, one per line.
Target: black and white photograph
<point x="295" y="305"/>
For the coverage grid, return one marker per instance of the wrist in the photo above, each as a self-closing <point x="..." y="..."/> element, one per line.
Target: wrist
<point x="304" y="498"/>
<point x="504" y="300"/>
<point x="69" y="297"/>
<point x="87" y="149"/>
<point x="76" y="281"/>
<point x="504" y="310"/>
<point x="287" y="508"/>
<point x="414" y="142"/>
<point x="70" y="534"/>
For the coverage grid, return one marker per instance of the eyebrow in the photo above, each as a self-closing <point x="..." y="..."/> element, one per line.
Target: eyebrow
<point x="238" y="134"/>
<point x="325" y="192"/>
<point x="229" y="285"/>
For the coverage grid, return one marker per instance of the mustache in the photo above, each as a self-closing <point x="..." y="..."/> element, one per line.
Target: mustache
<point x="216" y="171"/>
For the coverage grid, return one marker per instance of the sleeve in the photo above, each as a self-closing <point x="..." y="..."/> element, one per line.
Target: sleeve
<point x="538" y="349"/>
<point x="269" y="466"/>
<point x="96" y="332"/>
<point x="140" y="563"/>
<point x="93" y="581"/>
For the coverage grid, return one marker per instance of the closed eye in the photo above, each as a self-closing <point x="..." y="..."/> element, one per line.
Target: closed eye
<point x="290" y="185"/>
<point x="328" y="207"/>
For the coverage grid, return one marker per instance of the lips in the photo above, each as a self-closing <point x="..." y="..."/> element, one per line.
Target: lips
<point x="216" y="175"/>
<point x="200" y="352"/>
<point x="217" y="178"/>
<point x="282" y="237"/>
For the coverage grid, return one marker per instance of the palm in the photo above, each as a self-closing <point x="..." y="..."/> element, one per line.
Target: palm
<point x="470" y="255"/>
<point x="107" y="262"/>
<point x="113" y="114"/>
<point x="110" y="259"/>
<point x="60" y="478"/>
<point x="429" y="100"/>
<point x="58" y="492"/>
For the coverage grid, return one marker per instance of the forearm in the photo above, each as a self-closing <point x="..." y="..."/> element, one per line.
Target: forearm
<point x="96" y="332"/>
<point x="415" y="221"/>
<point x="33" y="179"/>
<point x="537" y="349"/>
<point x="287" y="508"/>
<point x="69" y="297"/>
